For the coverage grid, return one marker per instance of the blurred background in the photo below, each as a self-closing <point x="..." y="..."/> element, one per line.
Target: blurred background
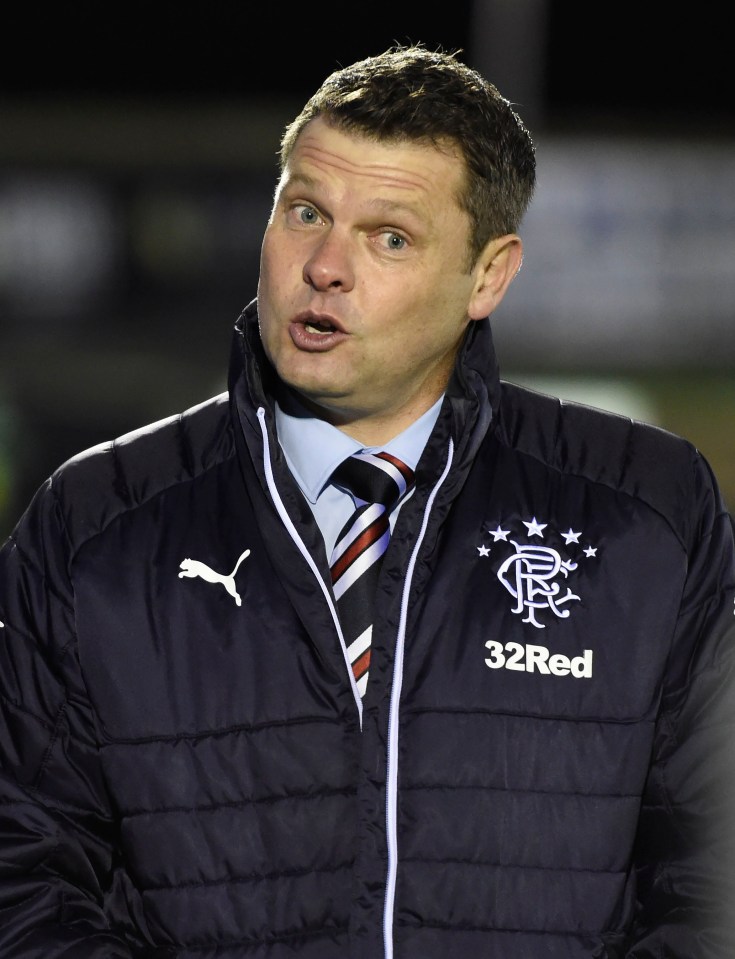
<point x="137" y="164"/>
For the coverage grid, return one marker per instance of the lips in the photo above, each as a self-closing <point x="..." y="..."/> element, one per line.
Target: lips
<point x="316" y="332"/>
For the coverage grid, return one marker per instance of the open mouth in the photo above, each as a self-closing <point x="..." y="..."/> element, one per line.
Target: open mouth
<point x="316" y="332"/>
<point x="319" y="327"/>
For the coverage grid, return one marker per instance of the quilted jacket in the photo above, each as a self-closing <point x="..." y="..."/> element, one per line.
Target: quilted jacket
<point x="544" y="758"/>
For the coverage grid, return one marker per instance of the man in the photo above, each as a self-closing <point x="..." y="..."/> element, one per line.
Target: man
<point x="217" y="743"/>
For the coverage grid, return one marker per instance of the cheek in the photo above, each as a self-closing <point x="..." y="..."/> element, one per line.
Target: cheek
<point x="268" y="260"/>
<point x="275" y="282"/>
<point x="277" y="253"/>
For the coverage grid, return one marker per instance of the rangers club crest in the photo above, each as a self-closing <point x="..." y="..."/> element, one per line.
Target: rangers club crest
<point x="539" y="576"/>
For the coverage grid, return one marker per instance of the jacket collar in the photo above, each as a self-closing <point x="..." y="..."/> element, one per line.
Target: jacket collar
<point x="472" y="398"/>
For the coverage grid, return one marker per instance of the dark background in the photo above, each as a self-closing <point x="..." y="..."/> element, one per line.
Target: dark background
<point x="631" y="63"/>
<point x="165" y="120"/>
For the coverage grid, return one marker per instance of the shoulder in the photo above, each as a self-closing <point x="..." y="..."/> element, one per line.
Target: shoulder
<point x="658" y="469"/>
<point x="94" y="487"/>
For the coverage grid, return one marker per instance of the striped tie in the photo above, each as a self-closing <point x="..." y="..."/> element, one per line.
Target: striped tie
<point x="376" y="481"/>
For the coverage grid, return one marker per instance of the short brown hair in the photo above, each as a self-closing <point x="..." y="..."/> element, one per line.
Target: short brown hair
<point x="411" y="93"/>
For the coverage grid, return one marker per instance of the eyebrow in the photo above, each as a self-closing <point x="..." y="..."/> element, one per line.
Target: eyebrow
<point x="380" y="203"/>
<point x="300" y="179"/>
<point x="393" y="206"/>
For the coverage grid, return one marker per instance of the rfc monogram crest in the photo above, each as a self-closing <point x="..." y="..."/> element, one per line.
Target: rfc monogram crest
<point x="537" y="575"/>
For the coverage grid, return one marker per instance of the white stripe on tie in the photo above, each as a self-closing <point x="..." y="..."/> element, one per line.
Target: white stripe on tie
<point x="376" y="482"/>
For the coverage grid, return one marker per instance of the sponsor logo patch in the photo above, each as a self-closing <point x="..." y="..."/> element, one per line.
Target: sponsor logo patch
<point x="531" y="658"/>
<point x="536" y="567"/>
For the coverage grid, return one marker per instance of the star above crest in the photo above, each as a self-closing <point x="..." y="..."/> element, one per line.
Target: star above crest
<point x="535" y="528"/>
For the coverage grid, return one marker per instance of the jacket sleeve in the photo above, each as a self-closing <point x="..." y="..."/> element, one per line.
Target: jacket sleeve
<point x="685" y="847"/>
<point x="57" y="831"/>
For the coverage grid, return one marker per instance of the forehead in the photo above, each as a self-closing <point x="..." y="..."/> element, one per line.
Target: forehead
<point x="326" y="154"/>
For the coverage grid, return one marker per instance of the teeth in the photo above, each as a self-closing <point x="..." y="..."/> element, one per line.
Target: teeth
<point x="324" y="331"/>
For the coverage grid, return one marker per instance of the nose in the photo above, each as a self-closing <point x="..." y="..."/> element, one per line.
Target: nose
<point x="329" y="267"/>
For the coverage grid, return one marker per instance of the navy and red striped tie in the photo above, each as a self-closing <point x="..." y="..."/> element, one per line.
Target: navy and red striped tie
<point x="376" y="481"/>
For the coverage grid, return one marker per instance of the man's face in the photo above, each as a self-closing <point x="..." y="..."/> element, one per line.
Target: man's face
<point x="365" y="289"/>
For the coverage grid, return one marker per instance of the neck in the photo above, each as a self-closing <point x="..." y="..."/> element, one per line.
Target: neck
<point x="373" y="428"/>
<point x="376" y="429"/>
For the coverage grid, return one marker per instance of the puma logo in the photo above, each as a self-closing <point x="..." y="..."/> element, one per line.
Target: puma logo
<point x="193" y="568"/>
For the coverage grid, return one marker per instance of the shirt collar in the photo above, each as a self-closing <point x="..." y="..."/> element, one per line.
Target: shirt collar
<point x="314" y="448"/>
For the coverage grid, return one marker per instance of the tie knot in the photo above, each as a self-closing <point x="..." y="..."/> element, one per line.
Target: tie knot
<point x="374" y="477"/>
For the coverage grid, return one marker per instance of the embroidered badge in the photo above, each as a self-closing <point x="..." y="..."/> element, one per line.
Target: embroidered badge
<point x="193" y="568"/>
<point x="536" y="575"/>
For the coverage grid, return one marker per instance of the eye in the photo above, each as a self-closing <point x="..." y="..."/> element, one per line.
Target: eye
<point x="306" y="214"/>
<point x="394" y="241"/>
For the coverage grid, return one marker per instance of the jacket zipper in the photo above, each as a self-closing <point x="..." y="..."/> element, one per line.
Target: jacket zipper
<point x="393" y="720"/>
<point x="286" y="520"/>
<point x="391" y="791"/>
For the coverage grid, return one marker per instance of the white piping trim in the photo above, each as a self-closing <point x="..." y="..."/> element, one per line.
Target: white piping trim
<point x="286" y="519"/>
<point x="391" y="788"/>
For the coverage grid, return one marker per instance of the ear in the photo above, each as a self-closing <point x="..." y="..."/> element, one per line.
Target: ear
<point x="494" y="270"/>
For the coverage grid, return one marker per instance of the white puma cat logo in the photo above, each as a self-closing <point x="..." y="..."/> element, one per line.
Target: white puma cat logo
<point x="193" y="568"/>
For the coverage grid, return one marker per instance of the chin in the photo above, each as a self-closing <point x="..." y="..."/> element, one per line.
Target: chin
<point x="325" y="402"/>
<point x="303" y="378"/>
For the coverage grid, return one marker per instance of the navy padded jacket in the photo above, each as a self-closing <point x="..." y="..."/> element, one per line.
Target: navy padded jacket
<point x="542" y="765"/>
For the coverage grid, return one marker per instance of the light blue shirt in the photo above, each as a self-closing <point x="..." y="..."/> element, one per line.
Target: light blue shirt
<point x="314" y="448"/>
